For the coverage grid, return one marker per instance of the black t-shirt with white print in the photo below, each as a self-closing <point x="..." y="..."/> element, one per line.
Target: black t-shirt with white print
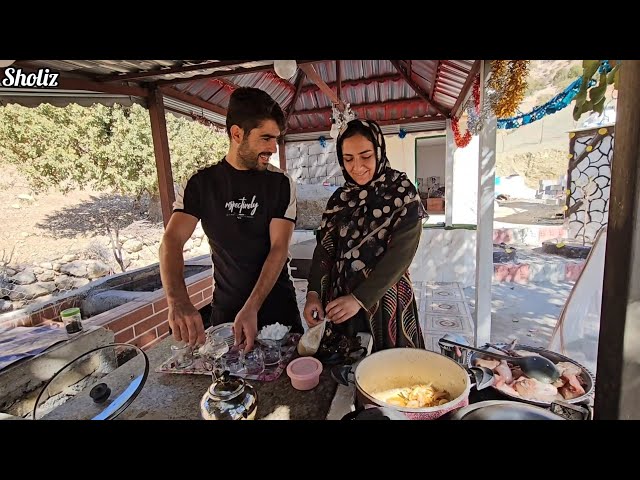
<point x="236" y="208"/>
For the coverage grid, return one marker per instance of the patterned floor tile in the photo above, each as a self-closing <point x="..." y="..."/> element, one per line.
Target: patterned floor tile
<point x="446" y="294"/>
<point x="443" y="307"/>
<point x="447" y="323"/>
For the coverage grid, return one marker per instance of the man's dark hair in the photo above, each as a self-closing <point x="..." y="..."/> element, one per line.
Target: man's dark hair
<point x="249" y="107"/>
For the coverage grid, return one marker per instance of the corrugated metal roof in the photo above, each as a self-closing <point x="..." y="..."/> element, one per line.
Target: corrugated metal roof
<point x="111" y="67"/>
<point x="32" y="97"/>
<point x="375" y="89"/>
<point x="182" y="107"/>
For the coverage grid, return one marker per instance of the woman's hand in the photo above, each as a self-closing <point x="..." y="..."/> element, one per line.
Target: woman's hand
<point x="313" y="305"/>
<point x="342" y="308"/>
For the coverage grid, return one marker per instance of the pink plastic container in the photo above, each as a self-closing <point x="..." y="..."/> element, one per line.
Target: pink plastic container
<point x="304" y="373"/>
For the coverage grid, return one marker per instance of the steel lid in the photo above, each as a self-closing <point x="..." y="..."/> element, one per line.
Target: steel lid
<point x="97" y="385"/>
<point x="503" y="410"/>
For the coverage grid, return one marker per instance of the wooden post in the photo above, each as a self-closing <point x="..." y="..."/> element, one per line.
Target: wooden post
<point x="448" y="175"/>
<point x="617" y="387"/>
<point x="161" y="150"/>
<point x="484" y="234"/>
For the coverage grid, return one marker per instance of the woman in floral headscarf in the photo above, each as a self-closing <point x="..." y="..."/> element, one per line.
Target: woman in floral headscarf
<point x="369" y="234"/>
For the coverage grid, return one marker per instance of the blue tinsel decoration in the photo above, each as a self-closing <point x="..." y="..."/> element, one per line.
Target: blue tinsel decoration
<point x="323" y="142"/>
<point x="402" y="133"/>
<point x="557" y="103"/>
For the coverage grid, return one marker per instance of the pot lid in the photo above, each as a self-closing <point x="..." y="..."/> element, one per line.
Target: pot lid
<point x="503" y="410"/>
<point x="226" y="387"/>
<point x="97" y="385"/>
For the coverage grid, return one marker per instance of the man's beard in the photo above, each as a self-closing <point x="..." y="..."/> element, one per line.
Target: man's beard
<point x="249" y="159"/>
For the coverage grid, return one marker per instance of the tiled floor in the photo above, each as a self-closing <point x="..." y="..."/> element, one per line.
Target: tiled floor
<point x="442" y="308"/>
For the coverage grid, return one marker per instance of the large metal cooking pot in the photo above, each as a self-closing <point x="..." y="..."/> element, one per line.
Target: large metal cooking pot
<point x="405" y="367"/>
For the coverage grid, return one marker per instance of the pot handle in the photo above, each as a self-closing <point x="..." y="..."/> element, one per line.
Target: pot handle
<point x="569" y="411"/>
<point x="481" y="377"/>
<point x="362" y="352"/>
<point x="340" y="373"/>
<point x="354" y="414"/>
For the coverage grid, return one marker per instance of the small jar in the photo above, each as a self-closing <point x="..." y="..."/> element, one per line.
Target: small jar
<point x="72" y="320"/>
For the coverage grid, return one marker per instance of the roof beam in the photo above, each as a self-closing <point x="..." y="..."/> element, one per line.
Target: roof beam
<point x="389" y="103"/>
<point x="226" y="73"/>
<point x="82" y="84"/>
<point x="434" y="78"/>
<point x="466" y="89"/>
<point x="169" y="70"/>
<point x="352" y="83"/>
<point x="294" y="99"/>
<point x="317" y="79"/>
<point x="421" y="93"/>
<point x="382" y="123"/>
<point x="193" y="100"/>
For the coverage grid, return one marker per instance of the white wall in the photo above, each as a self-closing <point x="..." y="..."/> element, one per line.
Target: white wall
<point x="401" y="153"/>
<point x="465" y="183"/>
<point x="430" y="160"/>
<point x="445" y="256"/>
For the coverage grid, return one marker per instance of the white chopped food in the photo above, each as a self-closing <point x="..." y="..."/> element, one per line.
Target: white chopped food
<point x="275" y="331"/>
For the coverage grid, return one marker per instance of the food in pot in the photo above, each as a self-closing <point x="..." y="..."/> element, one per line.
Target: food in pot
<point x="510" y="380"/>
<point x="416" y="396"/>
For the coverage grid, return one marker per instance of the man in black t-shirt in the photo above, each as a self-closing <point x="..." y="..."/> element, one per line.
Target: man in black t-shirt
<point x="248" y="212"/>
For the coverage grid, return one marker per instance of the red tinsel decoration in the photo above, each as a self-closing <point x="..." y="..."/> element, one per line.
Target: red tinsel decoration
<point x="461" y="141"/>
<point x="476" y="93"/>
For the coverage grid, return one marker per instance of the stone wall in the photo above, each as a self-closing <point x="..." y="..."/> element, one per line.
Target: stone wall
<point x="25" y="284"/>
<point x="311" y="163"/>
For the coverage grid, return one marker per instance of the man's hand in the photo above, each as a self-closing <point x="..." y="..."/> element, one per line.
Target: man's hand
<point x="313" y="305"/>
<point x="245" y="327"/>
<point x="186" y="323"/>
<point x="342" y="308"/>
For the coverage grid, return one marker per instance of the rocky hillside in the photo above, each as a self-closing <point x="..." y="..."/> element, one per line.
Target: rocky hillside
<point x="539" y="150"/>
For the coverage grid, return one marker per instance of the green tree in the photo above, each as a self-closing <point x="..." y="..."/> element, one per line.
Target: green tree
<point x="592" y="98"/>
<point x="105" y="148"/>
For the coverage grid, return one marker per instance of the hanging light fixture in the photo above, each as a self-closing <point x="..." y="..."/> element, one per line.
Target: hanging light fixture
<point x="285" y="68"/>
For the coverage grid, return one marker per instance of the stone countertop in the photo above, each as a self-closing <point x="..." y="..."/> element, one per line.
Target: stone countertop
<point x="177" y="397"/>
